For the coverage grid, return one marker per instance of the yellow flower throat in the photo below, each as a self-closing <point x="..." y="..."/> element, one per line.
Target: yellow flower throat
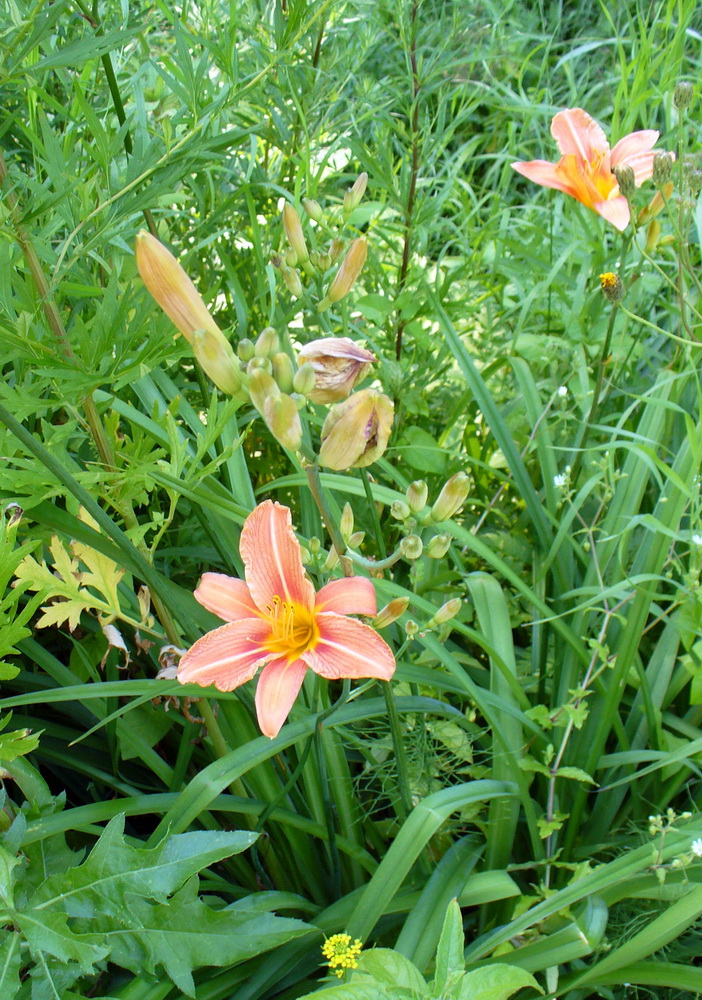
<point x="293" y="629"/>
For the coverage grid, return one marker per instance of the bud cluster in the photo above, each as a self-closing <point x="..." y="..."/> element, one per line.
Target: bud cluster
<point x="318" y="261"/>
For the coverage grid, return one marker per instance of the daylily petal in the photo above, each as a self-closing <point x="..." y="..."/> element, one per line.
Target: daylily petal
<point x="616" y="211"/>
<point x="276" y="691"/>
<point x="228" y="656"/>
<point x="546" y="174"/>
<point x="347" y="648"/>
<point x="578" y="134"/>
<point x="633" y="145"/>
<point x="272" y="558"/>
<point x="353" y="595"/>
<point x="226" y="596"/>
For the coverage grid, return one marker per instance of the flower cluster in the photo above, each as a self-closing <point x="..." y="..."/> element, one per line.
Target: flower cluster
<point x="341" y="953"/>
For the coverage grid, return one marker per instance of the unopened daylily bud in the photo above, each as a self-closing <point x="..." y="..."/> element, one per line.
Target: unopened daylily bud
<point x="278" y="260"/>
<point x="245" y="349"/>
<point x="400" y="510"/>
<point x="352" y="198"/>
<point x="447" y="611"/>
<point x="293" y="231"/>
<point x="215" y="354"/>
<point x="292" y="282"/>
<point x="314" y="258"/>
<point x="336" y="248"/>
<point x="324" y="262"/>
<point x="391" y="612"/>
<point x="682" y="95"/>
<point x="612" y="287"/>
<point x="339" y="364"/>
<point x="356" y="432"/>
<point x="332" y="560"/>
<point x="356" y="539"/>
<point x="346" y="522"/>
<point x="417" y="493"/>
<point x="267" y="343"/>
<point x="653" y="234"/>
<point x="262" y="386"/>
<point x="411" y="629"/>
<point x="657" y="203"/>
<point x="290" y="257"/>
<point x="662" y="168"/>
<point x="304" y="379"/>
<point x="313" y="209"/>
<point x="626" y="179"/>
<point x="451" y="497"/>
<point x="172" y="288"/>
<point x="315" y="545"/>
<point x="283" y="371"/>
<point x="299" y="400"/>
<point x="262" y="364"/>
<point x="283" y="420"/>
<point x="438" y="546"/>
<point x="411" y="547"/>
<point x="345" y="278"/>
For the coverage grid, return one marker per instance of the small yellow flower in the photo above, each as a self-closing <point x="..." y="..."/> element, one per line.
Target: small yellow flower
<point x="611" y="286"/>
<point x="341" y="953"/>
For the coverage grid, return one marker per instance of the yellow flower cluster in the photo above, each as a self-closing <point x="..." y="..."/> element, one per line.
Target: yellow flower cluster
<point x="341" y="953"/>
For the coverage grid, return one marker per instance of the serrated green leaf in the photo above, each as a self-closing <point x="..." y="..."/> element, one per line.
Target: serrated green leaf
<point x="449" y="953"/>
<point x="390" y="969"/>
<point x="114" y="869"/>
<point x="495" y="982"/>
<point x="48" y="932"/>
<point x="359" y="991"/>
<point x="186" y="934"/>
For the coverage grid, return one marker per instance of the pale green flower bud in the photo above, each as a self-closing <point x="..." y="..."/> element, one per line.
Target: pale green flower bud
<point x="346" y="522"/>
<point x="267" y="343"/>
<point x="262" y="386"/>
<point x="283" y="371"/>
<point x="447" y="611"/>
<point x="283" y="420"/>
<point x="682" y="95"/>
<point x="324" y="262"/>
<point x="336" y="248"/>
<point x="215" y="354"/>
<point x="303" y="382"/>
<point x="411" y="547"/>
<point x="356" y="539"/>
<point x="315" y="545"/>
<point x="345" y="278"/>
<point x="662" y="169"/>
<point x="417" y="493"/>
<point x="262" y="364"/>
<point x="313" y="209"/>
<point x="299" y="400"/>
<point x="451" y="498"/>
<point x="391" y="612"/>
<point x="352" y="198"/>
<point x="400" y="510"/>
<point x="626" y="179"/>
<point x="245" y="349"/>
<point x="411" y="629"/>
<point x="293" y="231"/>
<point x="332" y="560"/>
<point x="290" y="257"/>
<point x="438" y="546"/>
<point x="292" y="282"/>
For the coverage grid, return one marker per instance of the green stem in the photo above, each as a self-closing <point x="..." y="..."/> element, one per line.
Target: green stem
<point x="317" y="490"/>
<point x="377" y="531"/>
<point x="403" y="785"/>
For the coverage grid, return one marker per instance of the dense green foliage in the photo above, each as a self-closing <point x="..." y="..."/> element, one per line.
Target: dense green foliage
<point x="536" y="757"/>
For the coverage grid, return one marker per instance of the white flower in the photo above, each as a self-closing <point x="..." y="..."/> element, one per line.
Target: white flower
<point x="697" y="540"/>
<point x="562" y="391"/>
<point x="560" y="480"/>
<point x="697" y="847"/>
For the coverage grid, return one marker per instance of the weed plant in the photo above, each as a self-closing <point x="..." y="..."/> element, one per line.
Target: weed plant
<point x="537" y="754"/>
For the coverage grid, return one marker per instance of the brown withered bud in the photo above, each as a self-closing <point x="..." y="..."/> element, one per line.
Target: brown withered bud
<point x="339" y="365"/>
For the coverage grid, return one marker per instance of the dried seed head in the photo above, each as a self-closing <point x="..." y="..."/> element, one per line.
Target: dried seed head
<point x="612" y="287"/>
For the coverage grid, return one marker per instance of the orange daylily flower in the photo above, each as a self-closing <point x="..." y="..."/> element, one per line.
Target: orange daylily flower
<point x="275" y="618"/>
<point x="586" y="167"/>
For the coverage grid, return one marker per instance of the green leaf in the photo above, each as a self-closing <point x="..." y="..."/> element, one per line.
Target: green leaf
<point x="576" y="773"/>
<point x="449" y="954"/>
<point x="422" y="451"/>
<point x="49" y="933"/>
<point x="358" y="991"/>
<point x="495" y="982"/>
<point x="389" y="968"/>
<point x="9" y="965"/>
<point x="114" y="869"/>
<point x="185" y="934"/>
